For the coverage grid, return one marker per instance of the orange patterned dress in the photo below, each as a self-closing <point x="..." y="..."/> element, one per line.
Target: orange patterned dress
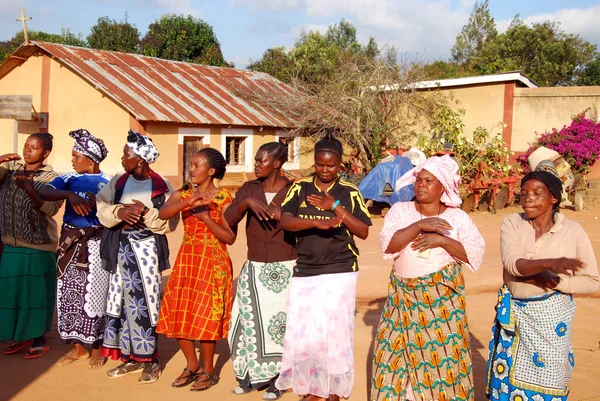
<point x="198" y="298"/>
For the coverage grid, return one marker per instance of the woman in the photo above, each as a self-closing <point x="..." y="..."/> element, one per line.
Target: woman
<point x="325" y="213"/>
<point x="30" y="235"/>
<point x="546" y="259"/>
<point x="263" y="284"/>
<point x="134" y="250"/>
<point x="198" y="297"/>
<point x="82" y="283"/>
<point x="422" y="348"/>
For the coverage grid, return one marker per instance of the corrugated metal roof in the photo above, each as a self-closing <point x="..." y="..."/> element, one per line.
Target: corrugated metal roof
<point x="153" y="89"/>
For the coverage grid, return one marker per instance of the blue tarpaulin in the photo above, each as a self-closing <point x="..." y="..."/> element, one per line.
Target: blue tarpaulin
<point x="387" y="173"/>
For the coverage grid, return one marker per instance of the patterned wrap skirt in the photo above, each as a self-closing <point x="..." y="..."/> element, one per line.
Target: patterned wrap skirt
<point x="27" y="293"/>
<point x="133" y="299"/>
<point x="258" y="321"/>
<point x="530" y="355"/>
<point x="318" y="350"/>
<point x="422" y="348"/>
<point x="81" y="300"/>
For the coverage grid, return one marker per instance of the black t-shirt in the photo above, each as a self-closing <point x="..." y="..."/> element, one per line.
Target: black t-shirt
<point x="325" y="251"/>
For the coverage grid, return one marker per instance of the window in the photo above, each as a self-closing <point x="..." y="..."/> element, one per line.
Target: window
<point x="236" y="147"/>
<point x="293" y="145"/>
<point x="290" y="143"/>
<point x="235" y="150"/>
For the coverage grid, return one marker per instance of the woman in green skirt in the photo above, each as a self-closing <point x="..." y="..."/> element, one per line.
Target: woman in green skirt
<point x="30" y="235"/>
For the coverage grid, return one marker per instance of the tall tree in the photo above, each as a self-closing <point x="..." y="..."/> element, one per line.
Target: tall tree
<point x="590" y="74"/>
<point x="65" y="38"/>
<point x="314" y="55"/>
<point x="343" y="36"/>
<point x="176" y="37"/>
<point x="275" y="62"/>
<point x="110" y="34"/>
<point x="359" y="100"/>
<point x="480" y="29"/>
<point x="544" y="52"/>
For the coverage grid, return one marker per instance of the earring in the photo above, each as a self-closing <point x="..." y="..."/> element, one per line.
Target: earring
<point x="140" y="164"/>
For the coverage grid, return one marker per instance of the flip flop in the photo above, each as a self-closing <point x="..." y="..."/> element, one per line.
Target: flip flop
<point x="67" y="359"/>
<point x="189" y="379"/>
<point x="210" y="379"/>
<point x="17" y="346"/>
<point x="36" y="352"/>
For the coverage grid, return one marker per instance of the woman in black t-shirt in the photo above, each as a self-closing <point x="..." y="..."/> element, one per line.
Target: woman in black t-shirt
<point x="325" y="213"/>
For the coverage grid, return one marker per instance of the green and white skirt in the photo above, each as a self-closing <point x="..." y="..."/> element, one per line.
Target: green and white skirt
<point x="258" y="321"/>
<point x="27" y="293"/>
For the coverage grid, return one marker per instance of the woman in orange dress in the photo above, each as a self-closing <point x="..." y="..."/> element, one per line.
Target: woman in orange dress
<point x="198" y="298"/>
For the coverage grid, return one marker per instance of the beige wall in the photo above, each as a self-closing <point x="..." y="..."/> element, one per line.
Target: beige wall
<point x="483" y="106"/>
<point x="73" y="103"/>
<point x="541" y="109"/>
<point x="23" y="80"/>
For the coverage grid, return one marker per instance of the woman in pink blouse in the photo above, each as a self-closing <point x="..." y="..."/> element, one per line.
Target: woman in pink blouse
<point x="422" y="348"/>
<point x="546" y="258"/>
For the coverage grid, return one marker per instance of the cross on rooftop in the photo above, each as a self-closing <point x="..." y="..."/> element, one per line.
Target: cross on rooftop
<point x="24" y="20"/>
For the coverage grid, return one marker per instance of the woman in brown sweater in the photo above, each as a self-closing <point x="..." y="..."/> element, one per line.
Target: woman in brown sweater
<point x="259" y="311"/>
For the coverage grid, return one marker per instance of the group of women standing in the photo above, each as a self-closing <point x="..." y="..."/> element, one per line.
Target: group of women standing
<point x="291" y="323"/>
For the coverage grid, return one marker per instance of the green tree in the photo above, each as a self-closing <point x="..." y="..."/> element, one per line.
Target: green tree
<point x="110" y="34"/>
<point x="590" y="74"/>
<point x="314" y="55"/>
<point x="343" y="36"/>
<point x="441" y="69"/>
<point x="544" y="52"/>
<point x="275" y="62"/>
<point x="480" y="29"/>
<point x="65" y="38"/>
<point x="176" y="37"/>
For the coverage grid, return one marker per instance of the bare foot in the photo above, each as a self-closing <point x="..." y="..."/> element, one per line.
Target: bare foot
<point x="77" y="354"/>
<point x="96" y="359"/>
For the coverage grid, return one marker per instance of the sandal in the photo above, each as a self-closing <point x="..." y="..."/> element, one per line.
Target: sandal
<point x="36" y="352"/>
<point x="67" y="359"/>
<point x="189" y="379"/>
<point x="272" y="395"/>
<point x="239" y="390"/>
<point x="210" y="381"/>
<point x="17" y="346"/>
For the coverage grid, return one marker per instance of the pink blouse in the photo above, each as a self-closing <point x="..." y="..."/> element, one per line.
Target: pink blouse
<point x="407" y="263"/>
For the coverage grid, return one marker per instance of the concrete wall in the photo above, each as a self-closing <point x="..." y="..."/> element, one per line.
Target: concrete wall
<point x="483" y="106"/>
<point x="73" y="103"/>
<point x="537" y="110"/>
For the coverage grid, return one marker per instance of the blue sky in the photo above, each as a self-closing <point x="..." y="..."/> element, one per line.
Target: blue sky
<point x="246" y="28"/>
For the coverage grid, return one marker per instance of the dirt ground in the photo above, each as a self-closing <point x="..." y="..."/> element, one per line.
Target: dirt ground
<point x="40" y="379"/>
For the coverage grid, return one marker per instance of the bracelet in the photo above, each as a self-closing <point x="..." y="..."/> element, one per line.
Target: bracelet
<point x="335" y="204"/>
<point x="145" y="210"/>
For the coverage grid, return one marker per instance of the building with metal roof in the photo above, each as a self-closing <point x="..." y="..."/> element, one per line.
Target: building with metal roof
<point x="182" y="106"/>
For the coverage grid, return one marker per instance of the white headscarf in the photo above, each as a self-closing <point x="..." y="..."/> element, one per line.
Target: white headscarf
<point x="445" y="169"/>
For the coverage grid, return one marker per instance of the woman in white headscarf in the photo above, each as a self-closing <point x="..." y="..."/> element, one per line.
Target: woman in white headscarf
<point x="134" y="250"/>
<point x="422" y="348"/>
